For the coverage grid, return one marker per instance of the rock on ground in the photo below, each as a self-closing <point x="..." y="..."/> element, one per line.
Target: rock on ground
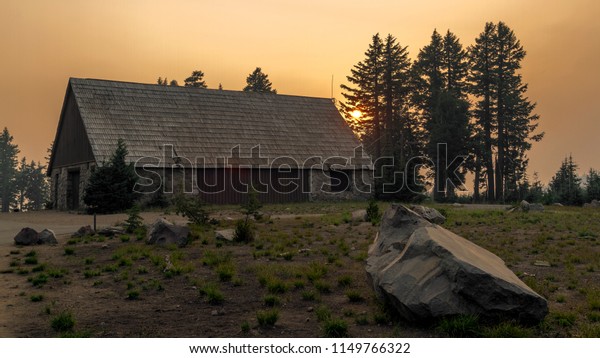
<point x="83" y="231"/>
<point x="226" y="234"/>
<point x="164" y="232"/>
<point x="429" y="214"/>
<point x="536" y="207"/>
<point x="47" y="236"/>
<point x="427" y="272"/>
<point x="359" y="215"/>
<point x="27" y="236"/>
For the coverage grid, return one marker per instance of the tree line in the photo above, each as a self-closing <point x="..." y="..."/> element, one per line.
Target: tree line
<point x="257" y="81"/>
<point x="23" y="185"/>
<point x="453" y="109"/>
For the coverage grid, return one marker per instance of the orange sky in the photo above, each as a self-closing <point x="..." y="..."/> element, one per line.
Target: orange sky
<point x="299" y="44"/>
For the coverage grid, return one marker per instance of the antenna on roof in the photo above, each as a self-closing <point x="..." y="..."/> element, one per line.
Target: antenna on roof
<point x="332" y="99"/>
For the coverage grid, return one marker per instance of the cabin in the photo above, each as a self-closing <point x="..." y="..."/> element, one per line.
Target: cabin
<point x="215" y="143"/>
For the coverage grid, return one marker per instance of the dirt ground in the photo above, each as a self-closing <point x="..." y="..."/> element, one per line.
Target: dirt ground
<point x="95" y="286"/>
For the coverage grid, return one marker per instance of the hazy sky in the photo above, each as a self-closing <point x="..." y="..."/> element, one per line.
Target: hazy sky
<point x="299" y="44"/>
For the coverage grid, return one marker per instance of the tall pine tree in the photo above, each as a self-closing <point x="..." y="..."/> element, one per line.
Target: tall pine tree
<point x="565" y="186"/>
<point x="380" y="88"/>
<point x="441" y="70"/>
<point x="503" y="112"/>
<point x="8" y="168"/>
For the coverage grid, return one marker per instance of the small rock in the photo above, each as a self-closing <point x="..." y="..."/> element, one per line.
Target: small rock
<point x="301" y="251"/>
<point x="536" y="207"/>
<point x="105" y="246"/>
<point x="214" y="313"/>
<point x="310" y="309"/>
<point x="47" y="236"/>
<point x="111" y="231"/>
<point x="27" y="236"/>
<point x="359" y="215"/>
<point x="226" y="234"/>
<point x="83" y="231"/>
<point x="525" y="205"/>
<point x="164" y="232"/>
<point x="557" y="204"/>
<point x="541" y="263"/>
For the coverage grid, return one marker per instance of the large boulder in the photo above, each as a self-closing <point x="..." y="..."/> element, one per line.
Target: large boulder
<point x="164" y="232"/>
<point x="47" y="236"/>
<point x="427" y="272"/>
<point x="225" y="234"/>
<point x="429" y="214"/>
<point x="525" y="206"/>
<point x="27" y="236"/>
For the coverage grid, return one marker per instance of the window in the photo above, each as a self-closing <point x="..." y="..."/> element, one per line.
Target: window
<point x="340" y="180"/>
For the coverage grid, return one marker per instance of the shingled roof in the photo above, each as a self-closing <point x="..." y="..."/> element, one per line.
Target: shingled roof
<point x="208" y="123"/>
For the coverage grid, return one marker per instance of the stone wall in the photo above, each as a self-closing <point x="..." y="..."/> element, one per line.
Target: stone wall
<point x="59" y="184"/>
<point x="360" y="182"/>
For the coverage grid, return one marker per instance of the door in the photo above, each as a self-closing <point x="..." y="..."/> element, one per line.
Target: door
<point x="73" y="190"/>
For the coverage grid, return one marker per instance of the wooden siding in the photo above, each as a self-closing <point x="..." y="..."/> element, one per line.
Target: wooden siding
<point x="71" y="144"/>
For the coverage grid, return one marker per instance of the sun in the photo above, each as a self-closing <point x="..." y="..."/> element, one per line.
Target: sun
<point x="356" y="114"/>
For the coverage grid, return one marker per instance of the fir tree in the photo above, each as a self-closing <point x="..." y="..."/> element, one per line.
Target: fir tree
<point x="258" y="81"/>
<point x="110" y="187"/>
<point x="441" y="69"/>
<point x="592" y="185"/>
<point x="380" y="89"/>
<point x="565" y="186"/>
<point x="195" y="80"/>
<point x="8" y="168"/>
<point x="173" y="83"/>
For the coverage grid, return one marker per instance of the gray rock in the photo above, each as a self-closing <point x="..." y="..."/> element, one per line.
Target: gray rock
<point x="429" y="214"/>
<point x="595" y="204"/>
<point x="558" y="204"/>
<point x="83" y="231"/>
<point x="426" y="272"/>
<point x="226" y="234"/>
<point x="541" y="263"/>
<point x="536" y="207"/>
<point x="359" y="215"/>
<point x="27" y="236"/>
<point x="525" y="206"/>
<point x="112" y="231"/>
<point x="47" y="236"/>
<point x="164" y="232"/>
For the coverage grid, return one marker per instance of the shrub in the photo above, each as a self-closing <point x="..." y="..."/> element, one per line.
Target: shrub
<point x="335" y="328"/>
<point x="245" y="327"/>
<point x="272" y="300"/>
<point x="460" y="326"/>
<point x="323" y="313"/>
<point x="276" y="286"/>
<point x="322" y="286"/>
<point x="36" y="298"/>
<point x="133" y="295"/>
<point x="373" y="212"/>
<point x="63" y="322"/>
<point x="226" y="271"/>
<point x="244" y="231"/>
<point x="134" y="220"/>
<point x="345" y="280"/>
<point x="309" y="295"/>
<point x="354" y="296"/>
<point x="267" y="317"/>
<point x="69" y="251"/>
<point x="38" y="280"/>
<point x="213" y="294"/>
<point x="191" y="207"/>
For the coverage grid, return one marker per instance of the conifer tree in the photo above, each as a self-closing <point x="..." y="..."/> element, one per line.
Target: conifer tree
<point x="380" y="88"/>
<point x="503" y="112"/>
<point x="565" y="186"/>
<point x="592" y="185"/>
<point x="8" y="167"/>
<point x="441" y="70"/>
<point x="110" y="187"/>
<point x="258" y="81"/>
<point x="195" y="80"/>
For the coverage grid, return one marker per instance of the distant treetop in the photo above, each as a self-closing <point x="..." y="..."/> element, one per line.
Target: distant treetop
<point x="258" y="81"/>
